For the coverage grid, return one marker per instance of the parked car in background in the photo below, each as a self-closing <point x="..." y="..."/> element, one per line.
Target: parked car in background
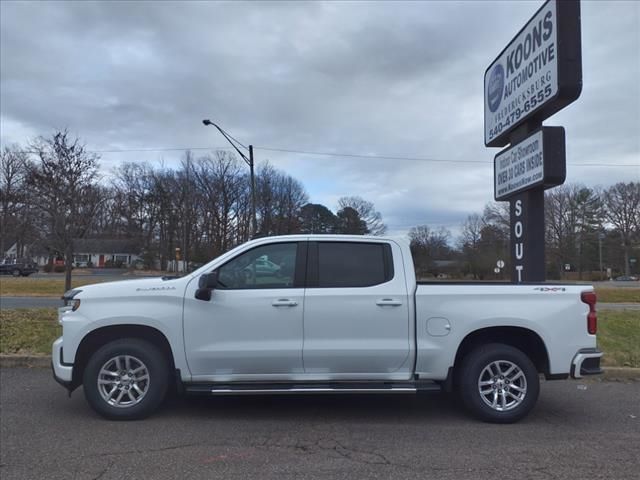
<point x="626" y="278"/>
<point x="18" y="267"/>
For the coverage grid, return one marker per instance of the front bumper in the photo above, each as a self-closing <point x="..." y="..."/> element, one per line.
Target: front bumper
<point x="62" y="372"/>
<point x="586" y="362"/>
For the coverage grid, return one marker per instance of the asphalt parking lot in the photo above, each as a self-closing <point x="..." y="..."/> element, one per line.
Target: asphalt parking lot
<point x="578" y="430"/>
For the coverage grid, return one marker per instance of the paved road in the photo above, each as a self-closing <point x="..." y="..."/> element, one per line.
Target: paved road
<point x="616" y="284"/>
<point x="573" y="433"/>
<point x="618" y="306"/>
<point x="29" y="302"/>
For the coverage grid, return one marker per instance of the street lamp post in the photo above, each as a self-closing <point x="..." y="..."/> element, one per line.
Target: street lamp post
<point x="248" y="161"/>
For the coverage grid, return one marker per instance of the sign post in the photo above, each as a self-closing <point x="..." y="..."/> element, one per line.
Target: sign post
<point x="537" y="74"/>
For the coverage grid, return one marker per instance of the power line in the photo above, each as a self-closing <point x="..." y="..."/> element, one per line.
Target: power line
<point x="328" y="154"/>
<point x="374" y="157"/>
<point x="422" y="159"/>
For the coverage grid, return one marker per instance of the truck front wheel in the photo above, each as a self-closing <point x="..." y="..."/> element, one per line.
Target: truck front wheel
<point x="126" y="379"/>
<point x="498" y="383"/>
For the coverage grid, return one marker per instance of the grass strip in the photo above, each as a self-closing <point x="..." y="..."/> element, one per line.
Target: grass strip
<point x="618" y="295"/>
<point x="619" y="337"/>
<point x="28" y="331"/>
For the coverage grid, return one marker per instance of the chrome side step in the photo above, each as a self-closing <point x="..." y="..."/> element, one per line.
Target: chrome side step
<point x="285" y="391"/>
<point x="298" y="389"/>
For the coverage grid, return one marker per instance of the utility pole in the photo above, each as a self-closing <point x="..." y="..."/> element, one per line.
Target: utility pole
<point x="600" y="238"/>
<point x="254" y="221"/>
<point x="248" y="161"/>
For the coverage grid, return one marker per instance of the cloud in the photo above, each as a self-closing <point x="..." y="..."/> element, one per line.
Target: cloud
<point x="379" y="78"/>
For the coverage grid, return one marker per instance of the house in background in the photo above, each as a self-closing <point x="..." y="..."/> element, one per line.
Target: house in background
<point x="94" y="252"/>
<point x="12" y="252"/>
<point x="106" y="253"/>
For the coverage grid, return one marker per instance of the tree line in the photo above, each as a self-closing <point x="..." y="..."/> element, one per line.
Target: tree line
<point x="52" y="194"/>
<point x="587" y="230"/>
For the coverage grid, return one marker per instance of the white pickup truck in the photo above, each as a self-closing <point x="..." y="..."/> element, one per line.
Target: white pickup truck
<point x="321" y="314"/>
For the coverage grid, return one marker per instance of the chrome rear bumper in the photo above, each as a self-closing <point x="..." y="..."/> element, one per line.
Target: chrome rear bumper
<point x="586" y="362"/>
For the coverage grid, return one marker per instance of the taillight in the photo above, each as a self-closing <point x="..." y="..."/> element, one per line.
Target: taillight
<point x="592" y="318"/>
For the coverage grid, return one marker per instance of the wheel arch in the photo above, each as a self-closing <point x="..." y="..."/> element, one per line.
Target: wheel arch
<point x="103" y="335"/>
<point x="522" y="338"/>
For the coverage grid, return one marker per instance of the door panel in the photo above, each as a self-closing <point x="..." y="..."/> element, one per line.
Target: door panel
<point x="252" y="325"/>
<point x="242" y="332"/>
<point x="356" y="330"/>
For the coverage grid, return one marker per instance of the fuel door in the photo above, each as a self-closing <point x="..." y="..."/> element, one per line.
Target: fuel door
<point x="438" y="326"/>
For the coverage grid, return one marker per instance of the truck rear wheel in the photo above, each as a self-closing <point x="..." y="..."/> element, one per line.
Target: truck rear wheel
<point x="16" y="273"/>
<point x="498" y="383"/>
<point x="126" y="379"/>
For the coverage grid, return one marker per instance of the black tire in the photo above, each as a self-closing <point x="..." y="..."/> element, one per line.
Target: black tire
<point x="142" y="352"/>
<point x="16" y="273"/>
<point x="490" y="358"/>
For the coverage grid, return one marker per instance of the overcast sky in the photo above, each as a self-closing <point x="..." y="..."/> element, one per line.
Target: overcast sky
<point x="382" y="78"/>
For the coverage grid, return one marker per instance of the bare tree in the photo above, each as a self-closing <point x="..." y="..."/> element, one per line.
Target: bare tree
<point x="470" y="243"/>
<point x="573" y="217"/>
<point x="497" y="214"/>
<point x="622" y="204"/>
<point x="63" y="181"/>
<point x="14" y="165"/>
<point x="279" y="199"/>
<point x="224" y="187"/>
<point x="367" y="212"/>
<point x="427" y="246"/>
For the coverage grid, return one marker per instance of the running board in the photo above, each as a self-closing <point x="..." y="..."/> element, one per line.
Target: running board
<point x="300" y="389"/>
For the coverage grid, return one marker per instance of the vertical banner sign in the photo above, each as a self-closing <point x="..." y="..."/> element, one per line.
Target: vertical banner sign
<point x="527" y="238"/>
<point x="537" y="74"/>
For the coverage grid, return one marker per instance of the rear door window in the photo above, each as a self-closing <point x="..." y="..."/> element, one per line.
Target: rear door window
<point x="353" y="264"/>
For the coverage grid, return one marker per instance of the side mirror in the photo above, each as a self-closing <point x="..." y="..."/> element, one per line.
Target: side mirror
<point x="208" y="280"/>
<point x="206" y="284"/>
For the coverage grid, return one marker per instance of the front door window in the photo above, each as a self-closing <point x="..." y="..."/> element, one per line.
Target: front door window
<point x="268" y="266"/>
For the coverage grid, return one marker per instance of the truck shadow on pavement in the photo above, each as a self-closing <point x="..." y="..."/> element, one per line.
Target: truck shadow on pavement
<point x="381" y="408"/>
<point x="427" y="408"/>
<point x="396" y="409"/>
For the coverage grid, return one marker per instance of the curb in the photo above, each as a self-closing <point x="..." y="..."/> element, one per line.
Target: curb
<point x="611" y="374"/>
<point x="616" y="374"/>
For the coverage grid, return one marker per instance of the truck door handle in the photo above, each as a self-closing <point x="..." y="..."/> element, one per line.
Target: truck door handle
<point x="284" y="302"/>
<point x="388" y="302"/>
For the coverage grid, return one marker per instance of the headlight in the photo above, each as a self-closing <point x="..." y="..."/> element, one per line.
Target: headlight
<point x="68" y="299"/>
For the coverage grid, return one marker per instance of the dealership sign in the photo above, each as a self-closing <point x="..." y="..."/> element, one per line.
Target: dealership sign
<point x="537" y="161"/>
<point x="537" y="74"/>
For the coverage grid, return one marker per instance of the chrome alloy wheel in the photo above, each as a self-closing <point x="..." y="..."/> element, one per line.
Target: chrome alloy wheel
<point x="502" y="385"/>
<point x="123" y="381"/>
